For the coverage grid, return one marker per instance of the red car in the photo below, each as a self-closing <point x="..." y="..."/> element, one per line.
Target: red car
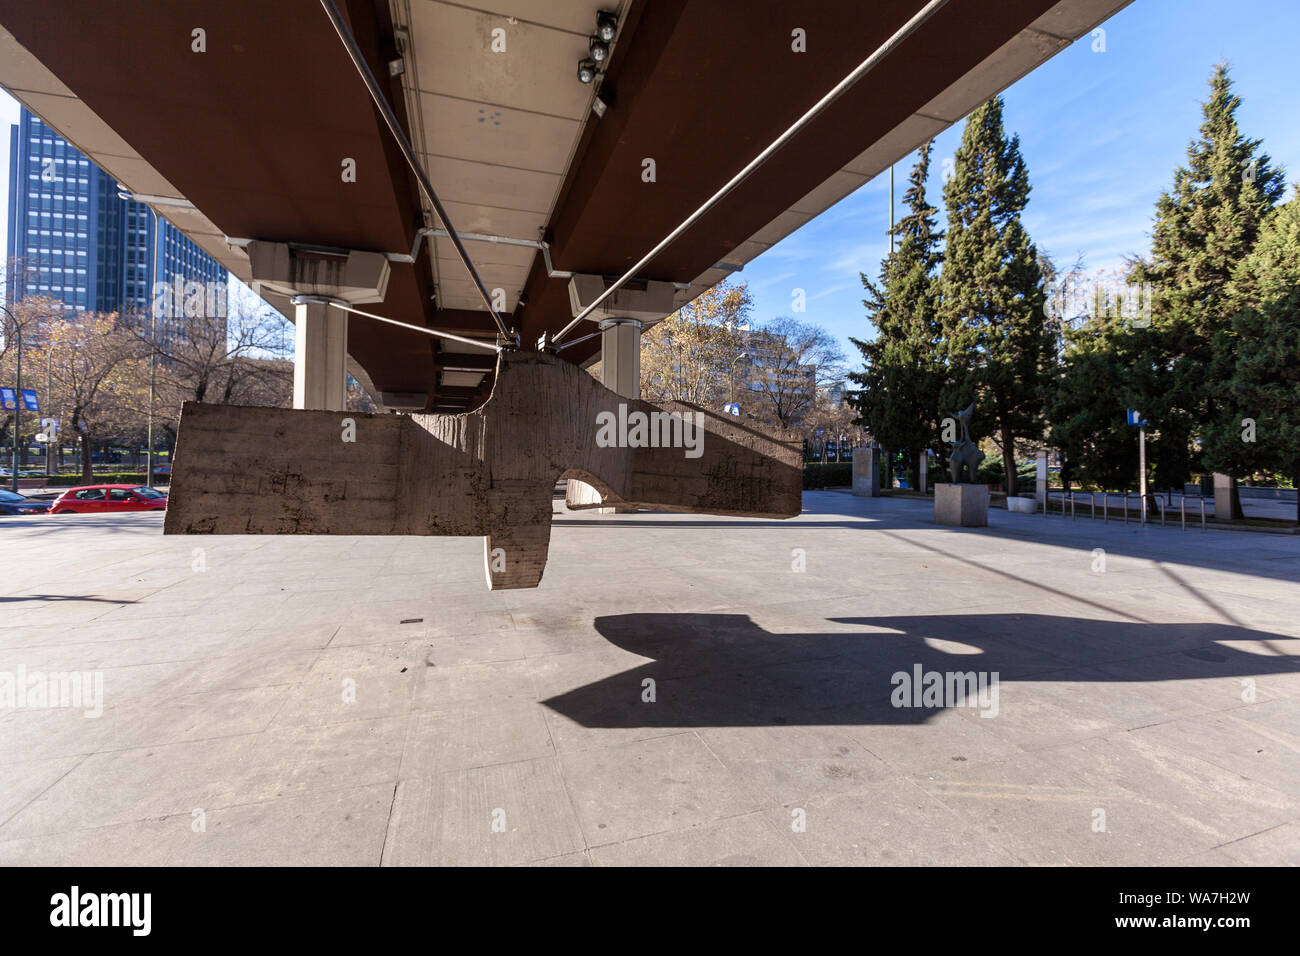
<point x="101" y="499"/>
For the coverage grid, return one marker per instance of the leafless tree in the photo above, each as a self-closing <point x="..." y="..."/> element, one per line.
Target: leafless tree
<point x="790" y="363"/>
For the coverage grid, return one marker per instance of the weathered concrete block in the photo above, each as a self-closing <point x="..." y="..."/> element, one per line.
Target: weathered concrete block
<point x="962" y="505"/>
<point x="1022" y="505"/>
<point x="866" y="472"/>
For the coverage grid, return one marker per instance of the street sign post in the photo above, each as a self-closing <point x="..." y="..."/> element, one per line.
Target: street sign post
<point x="1135" y="418"/>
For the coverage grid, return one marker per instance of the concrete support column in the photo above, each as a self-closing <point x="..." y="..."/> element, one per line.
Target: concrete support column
<point x="620" y="371"/>
<point x="620" y="356"/>
<point x="320" y="355"/>
<point x="621" y="317"/>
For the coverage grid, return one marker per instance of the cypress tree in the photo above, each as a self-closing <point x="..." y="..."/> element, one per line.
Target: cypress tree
<point x="899" y="400"/>
<point x="997" y="342"/>
<point x="1204" y="227"/>
<point x="1257" y="359"/>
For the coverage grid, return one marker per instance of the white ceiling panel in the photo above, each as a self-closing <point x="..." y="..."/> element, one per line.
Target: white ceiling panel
<point x="534" y="71"/>
<point x="462" y="181"/>
<point x="464" y="129"/>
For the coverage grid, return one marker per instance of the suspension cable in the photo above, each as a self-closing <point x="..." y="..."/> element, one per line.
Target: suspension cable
<point x="477" y="343"/>
<point x="390" y="118"/>
<point x="861" y="70"/>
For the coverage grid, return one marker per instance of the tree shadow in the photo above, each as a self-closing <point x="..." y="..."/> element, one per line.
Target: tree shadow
<point x="723" y="670"/>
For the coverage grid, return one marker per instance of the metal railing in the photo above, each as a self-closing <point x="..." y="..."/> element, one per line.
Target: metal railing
<point x="1071" y="500"/>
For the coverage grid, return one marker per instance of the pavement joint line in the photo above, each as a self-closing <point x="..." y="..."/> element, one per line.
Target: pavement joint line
<point x="622" y="841"/>
<point x="1276" y="826"/>
<point x="392" y="805"/>
<point x="238" y="805"/>
<point x="47" y="789"/>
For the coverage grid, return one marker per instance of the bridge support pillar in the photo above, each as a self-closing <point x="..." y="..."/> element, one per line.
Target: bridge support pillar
<point x="320" y="355"/>
<point x="621" y="321"/>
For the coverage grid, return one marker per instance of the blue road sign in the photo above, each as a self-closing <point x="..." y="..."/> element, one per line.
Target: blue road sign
<point x="1135" y="417"/>
<point x="8" y="399"/>
<point x="29" y="400"/>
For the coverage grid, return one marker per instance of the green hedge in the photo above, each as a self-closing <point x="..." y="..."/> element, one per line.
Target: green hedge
<point x="834" y="474"/>
<point x="991" y="473"/>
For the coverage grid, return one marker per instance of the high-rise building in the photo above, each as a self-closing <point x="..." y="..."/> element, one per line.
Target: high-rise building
<point x="71" y="237"/>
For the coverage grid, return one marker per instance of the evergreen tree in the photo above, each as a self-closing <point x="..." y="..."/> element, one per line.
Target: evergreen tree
<point x="997" y="342"/>
<point x="901" y="384"/>
<point x="1257" y="359"/>
<point x="1096" y="444"/>
<point x="1204" y="227"/>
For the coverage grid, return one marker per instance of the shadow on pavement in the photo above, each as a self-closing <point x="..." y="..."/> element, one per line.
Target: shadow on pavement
<point x="722" y="670"/>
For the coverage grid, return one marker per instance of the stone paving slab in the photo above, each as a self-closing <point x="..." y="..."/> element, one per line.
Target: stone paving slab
<point x="680" y="690"/>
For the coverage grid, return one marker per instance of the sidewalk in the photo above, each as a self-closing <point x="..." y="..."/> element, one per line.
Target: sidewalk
<point x="680" y="689"/>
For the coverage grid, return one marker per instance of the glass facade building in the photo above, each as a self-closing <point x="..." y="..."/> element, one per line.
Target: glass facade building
<point x="71" y="236"/>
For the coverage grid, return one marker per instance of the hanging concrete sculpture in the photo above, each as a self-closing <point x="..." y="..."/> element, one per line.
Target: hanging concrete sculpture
<point x="491" y="472"/>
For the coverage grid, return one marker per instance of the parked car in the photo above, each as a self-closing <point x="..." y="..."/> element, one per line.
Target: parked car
<point x="102" y="499"/>
<point x="12" y="503"/>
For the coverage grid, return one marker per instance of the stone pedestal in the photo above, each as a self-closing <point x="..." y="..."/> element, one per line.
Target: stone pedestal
<point x="866" y="472"/>
<point x="961" y="506"/>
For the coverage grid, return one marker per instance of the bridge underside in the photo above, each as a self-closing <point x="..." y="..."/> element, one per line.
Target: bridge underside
<point x="250" y="134"/>
<point x="247" y="124"/>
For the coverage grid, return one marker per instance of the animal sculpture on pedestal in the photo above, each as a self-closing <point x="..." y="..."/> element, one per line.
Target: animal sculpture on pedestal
<point x="966" y="455"/>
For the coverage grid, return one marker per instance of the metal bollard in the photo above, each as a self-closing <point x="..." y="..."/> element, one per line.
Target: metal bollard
<point x="1092" y="506"/>
<point x="1202" y="512"/>
<point x="1105" y="507"/>
<point x="1072" y="494"/>
<point x="1182" y="510"/>
<point x="1126" y="507"/>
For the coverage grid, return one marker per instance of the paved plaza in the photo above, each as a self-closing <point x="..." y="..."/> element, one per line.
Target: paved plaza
<point x="680" y="690"/>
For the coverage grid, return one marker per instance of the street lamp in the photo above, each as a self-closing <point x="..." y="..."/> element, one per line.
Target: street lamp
<point x="734" y="362"/>
<point x="124" y="193"/>
<point x="18" y="392"/>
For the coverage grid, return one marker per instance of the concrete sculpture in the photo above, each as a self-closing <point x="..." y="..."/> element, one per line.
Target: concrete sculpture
<point x="490" y="472"/>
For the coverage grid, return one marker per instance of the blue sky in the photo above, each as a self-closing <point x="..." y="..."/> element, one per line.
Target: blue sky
<point x="1101" y="132"/>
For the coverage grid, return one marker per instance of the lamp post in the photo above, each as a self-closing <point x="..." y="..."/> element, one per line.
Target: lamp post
<point x="123" y="193"/>
<point x="734" y="362"/>
<point x="18" y="392"/>
<point x="52" y="437"/>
